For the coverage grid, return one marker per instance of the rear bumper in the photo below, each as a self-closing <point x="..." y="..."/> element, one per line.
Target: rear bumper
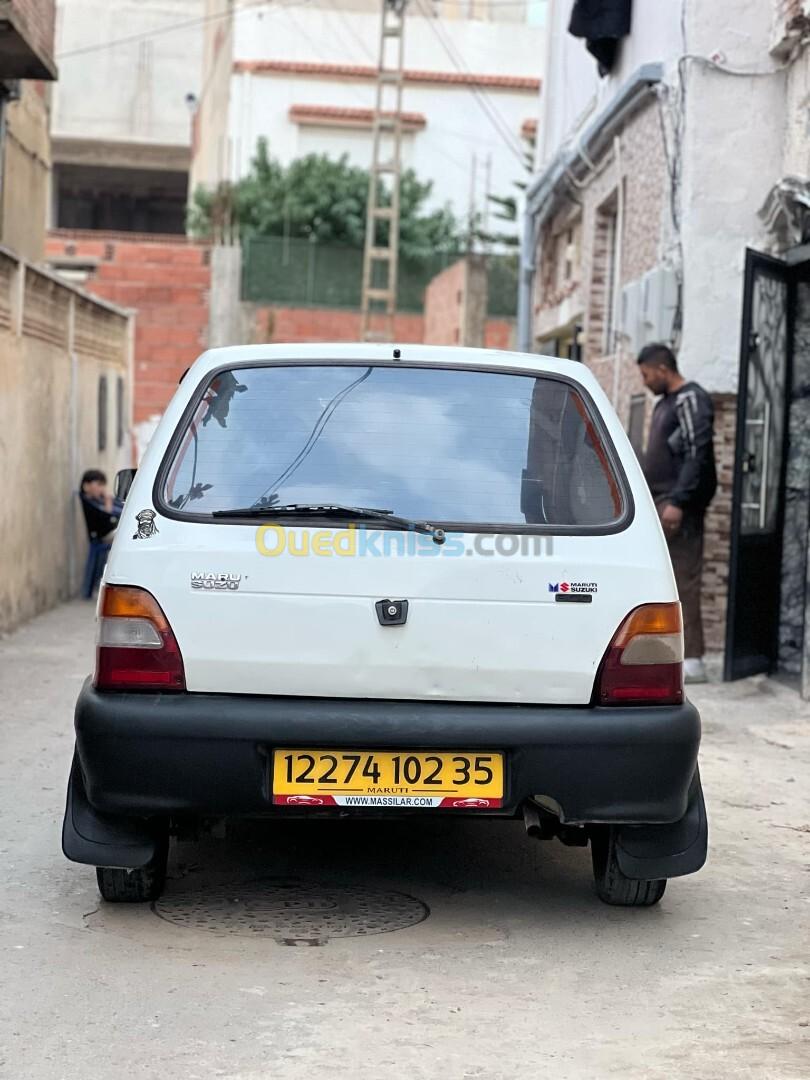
<point x="178" y="755"/>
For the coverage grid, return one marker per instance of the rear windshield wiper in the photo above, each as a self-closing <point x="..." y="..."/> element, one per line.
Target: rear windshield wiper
<point x="334" y="510"/>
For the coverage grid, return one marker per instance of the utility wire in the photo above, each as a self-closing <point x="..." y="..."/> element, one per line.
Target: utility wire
<point x="187" y="24"/>
<point x="462" y="67"/>
<point x="457" y="61"/>
<point x="463" y="166"/>
<point x="487" y="107"/>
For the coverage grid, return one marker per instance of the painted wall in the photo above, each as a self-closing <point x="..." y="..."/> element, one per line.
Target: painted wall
<point x="26" y="172"/>
<point x="53" y="350"/>
<point x="133" y="91"/>
<point x="732" y="155"/>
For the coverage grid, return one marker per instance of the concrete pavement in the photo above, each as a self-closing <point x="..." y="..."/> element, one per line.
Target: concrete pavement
<point x="517" y="971"/>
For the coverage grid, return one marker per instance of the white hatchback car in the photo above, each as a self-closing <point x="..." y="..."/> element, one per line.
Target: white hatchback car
<point x="366" y="580"/>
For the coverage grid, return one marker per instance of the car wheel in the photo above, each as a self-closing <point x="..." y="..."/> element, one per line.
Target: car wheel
<point x="614" y="887"/>
<point x="121" y="886"/>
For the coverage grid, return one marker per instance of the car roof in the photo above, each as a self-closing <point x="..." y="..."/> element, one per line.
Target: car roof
<point x="438" y="355"/>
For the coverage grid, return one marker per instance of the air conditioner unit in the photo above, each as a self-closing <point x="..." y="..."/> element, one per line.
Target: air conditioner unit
<point x="630" y="317"/>
<point x="659" y="304"/>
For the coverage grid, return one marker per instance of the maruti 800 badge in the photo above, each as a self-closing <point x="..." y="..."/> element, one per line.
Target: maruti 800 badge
<point x="216" y="581"/>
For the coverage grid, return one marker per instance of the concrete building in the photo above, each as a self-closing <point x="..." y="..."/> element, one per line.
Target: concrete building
<point x="65" y="358"/>
<point x="303" y="77"/>
<point x="671" y="202"/>
<point x="130" y="71"/>
<point x="65" y="366"/>
<point x="27" y="68"/>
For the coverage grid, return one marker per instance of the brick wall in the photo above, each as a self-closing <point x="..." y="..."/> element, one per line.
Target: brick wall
<point x="300" y="325"/>
<point x="718" y="524"/>
<point x="166" y="282"/>
<point x="293" y="325"/>
<point x="453" y="302"/>
<point x="444" y="302"/>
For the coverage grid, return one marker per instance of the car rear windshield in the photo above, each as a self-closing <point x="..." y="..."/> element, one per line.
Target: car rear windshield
<point x="445" y="445"/>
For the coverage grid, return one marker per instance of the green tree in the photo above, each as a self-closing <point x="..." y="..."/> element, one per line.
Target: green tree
<point x="321" y="198"/>
<point x="506" y="207"/>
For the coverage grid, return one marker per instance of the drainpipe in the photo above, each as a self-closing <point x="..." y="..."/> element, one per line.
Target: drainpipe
<point x="615" y="300"/>
<point x="528" y="255"/>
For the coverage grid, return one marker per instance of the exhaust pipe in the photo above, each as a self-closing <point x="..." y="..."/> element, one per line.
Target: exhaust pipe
<point x="543" y="825"/>
<point x="539" y="824"/>
<point x="531" y="819"/>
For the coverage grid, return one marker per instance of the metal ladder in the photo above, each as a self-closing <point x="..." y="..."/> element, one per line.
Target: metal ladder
<point x="379" y="297"/>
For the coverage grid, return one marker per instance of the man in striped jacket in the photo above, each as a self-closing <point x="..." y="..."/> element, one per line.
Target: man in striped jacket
<point x="680" y="470"/>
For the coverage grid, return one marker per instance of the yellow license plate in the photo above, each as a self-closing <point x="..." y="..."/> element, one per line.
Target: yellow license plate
<point x="386" y="778"/>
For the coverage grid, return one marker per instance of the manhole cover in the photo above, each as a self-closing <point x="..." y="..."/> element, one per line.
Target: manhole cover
<point x="293" y="913"/>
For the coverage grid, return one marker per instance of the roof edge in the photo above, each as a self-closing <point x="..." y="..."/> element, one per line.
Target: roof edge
<point x="592" y="140"/>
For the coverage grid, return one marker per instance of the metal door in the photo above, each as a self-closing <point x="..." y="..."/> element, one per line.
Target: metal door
<point x="752" y="626"/>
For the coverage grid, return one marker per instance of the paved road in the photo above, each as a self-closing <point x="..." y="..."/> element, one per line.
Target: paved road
<point x="518" y="970"/>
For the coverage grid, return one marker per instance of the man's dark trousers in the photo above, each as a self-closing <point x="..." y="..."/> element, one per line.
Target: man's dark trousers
<point x="686" y="553"/>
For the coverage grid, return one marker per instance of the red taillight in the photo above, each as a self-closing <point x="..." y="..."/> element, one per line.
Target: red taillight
<point x="644" y="663"/>
<point x="137" y="649"/>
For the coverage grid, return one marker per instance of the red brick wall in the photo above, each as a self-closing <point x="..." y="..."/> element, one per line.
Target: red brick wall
<point x="295" y="325"/>
<point x="499" y="334"/>
<point x="333" y="324"/>
<point x="444" y="306"/>
<point x="444" y="313"/>
<point x="167" y="282"/>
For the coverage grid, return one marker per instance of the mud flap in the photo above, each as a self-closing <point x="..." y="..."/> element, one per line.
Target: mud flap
<point x="101" y="840"/>
<point x="647" y="852"/>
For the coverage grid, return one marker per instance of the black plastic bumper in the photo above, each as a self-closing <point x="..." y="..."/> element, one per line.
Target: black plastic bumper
<point x="150" y="755"/>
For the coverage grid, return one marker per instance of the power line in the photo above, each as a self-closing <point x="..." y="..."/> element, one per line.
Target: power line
<point x="187" y="24"/>
<point x="489" y="110"/>
<point x="364" y="47"/>
<point x="368" y="52"/>
<point x="478" y="90"/>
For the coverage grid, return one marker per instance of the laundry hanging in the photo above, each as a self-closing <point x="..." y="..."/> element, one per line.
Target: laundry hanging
<point x="602" y="23"/>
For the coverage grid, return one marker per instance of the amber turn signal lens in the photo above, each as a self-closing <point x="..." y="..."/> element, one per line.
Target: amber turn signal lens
<point x="650" y="619"/>
<point x="129" y="602"/>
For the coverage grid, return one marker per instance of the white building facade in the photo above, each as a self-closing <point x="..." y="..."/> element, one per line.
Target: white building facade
<point x="302" y="76"/>
<point x="671" y="203"/>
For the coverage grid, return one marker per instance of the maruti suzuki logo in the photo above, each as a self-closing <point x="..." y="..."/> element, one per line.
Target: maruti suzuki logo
<point x="573" y="587"/>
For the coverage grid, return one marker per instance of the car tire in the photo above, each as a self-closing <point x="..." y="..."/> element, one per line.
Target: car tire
<point x="118" y="885"/>
<point x="612" y="886"/>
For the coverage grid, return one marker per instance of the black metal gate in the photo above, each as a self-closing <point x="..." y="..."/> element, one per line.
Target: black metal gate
<point x="752" y="625"/>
